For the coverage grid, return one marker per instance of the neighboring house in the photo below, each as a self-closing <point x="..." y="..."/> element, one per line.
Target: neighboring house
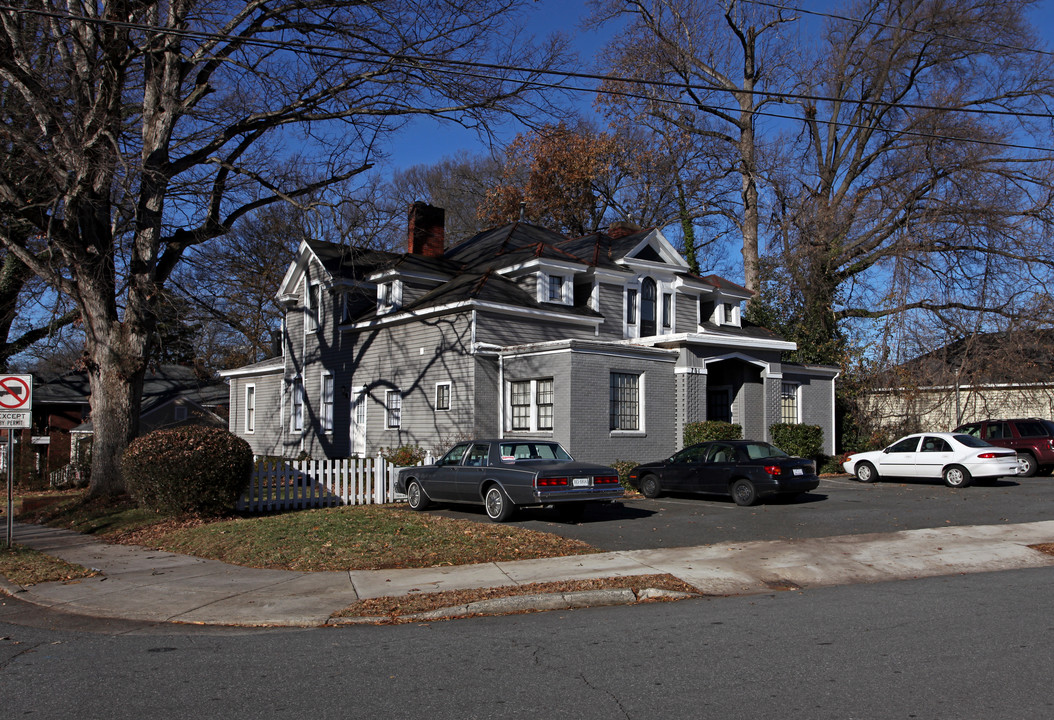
<point x="172" y="395"/>
<point x="987" y="375"/>
<point x="605" y="343"/>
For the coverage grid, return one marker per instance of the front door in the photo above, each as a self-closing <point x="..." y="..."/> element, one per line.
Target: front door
<point x="358" y="424"/>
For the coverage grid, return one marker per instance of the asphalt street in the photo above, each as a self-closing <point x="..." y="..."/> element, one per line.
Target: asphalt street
<point x="957" y="647"/>
<point x="840" y="506"/>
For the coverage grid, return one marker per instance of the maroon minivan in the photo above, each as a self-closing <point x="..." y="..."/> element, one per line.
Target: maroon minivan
<point x="1032" y="438"/>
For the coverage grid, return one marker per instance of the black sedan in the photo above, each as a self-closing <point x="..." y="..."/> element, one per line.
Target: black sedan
<point x="748" y="470"/>
<point x="503" y="475"/>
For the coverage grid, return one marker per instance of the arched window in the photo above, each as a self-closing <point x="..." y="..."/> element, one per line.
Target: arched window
<point x="647" y="307"/>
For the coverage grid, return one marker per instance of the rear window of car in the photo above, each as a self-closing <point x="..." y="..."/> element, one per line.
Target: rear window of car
<point x="971" y="441"/>
<point x="533" y="451"/>
<point x="1031" y="428"/>
<point x="756" y="451"/>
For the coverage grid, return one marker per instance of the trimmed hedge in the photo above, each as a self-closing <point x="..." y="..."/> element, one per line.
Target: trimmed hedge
<point x="698" y="432"/>
<point x="193" y="470"/>
<point x="802" y="440"/>
<point x="404" y="455"/>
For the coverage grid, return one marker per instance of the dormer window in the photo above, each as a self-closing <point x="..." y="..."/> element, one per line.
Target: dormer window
<point x="389" y="296"/>
<point x="730" y="314"/>
<point x="555" y="289"/>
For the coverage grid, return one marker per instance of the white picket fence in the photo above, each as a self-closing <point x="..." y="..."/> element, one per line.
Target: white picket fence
<point x="290" y="484"/>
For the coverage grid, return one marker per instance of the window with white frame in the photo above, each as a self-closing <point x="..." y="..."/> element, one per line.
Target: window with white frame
<point x="667" y="311"/>
<point x="556" y="288"/>
<point x="531" y="405"/>
<point x="442" y="396"/>
<point x="631" y="306"/>
<point x="296" y="418"/>
<point x="250" y="409"/>
<point x="313" y="304"/>
<point x="389" y="296"/>
<point x="393" y="408"/>
<point x="729" y="312"/>
<point x="789" y="405"/>
<point x="326" y="403"/>
<point x="625" y="401"/>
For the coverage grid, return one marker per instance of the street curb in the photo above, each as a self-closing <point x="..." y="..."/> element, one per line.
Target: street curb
<point x="513" y="604"/>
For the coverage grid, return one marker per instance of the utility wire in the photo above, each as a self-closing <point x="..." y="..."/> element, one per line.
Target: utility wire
<point x="435" y="65"/>
<point x="875" y="23"/>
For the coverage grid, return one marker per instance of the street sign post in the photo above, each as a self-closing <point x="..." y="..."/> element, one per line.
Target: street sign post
<point x="16" y="411"/>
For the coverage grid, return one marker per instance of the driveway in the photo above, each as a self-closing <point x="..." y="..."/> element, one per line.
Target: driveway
<point x="840" y="506"/>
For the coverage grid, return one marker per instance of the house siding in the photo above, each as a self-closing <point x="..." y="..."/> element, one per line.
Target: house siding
<point x="505" y="329"/>
<point x="687" y="313"/>
<point x="613" y="308"/>
<point x="816" y="398"/>
<point x="268" y="437"/>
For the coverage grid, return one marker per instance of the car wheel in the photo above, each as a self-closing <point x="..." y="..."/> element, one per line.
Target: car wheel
<point x="571" y="512"/>
<point x="956" y="476"/>
<point x="866" y="473"/>
<point x="499" y="507"/>
<point x="744" y="493"/>
<point x="650" y="487"/>
<point x="415" y="496"/>
<point x="1026" y="465"/>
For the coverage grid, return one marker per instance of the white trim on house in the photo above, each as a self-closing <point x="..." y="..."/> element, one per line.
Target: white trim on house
<point x="641" y="430"/>
<point x="272" y="366"/>
<point x="662" y="246"/>
<point x="720" y="340"/>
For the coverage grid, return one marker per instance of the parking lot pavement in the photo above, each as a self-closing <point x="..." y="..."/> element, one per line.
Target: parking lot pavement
<point x="840" y="506"/>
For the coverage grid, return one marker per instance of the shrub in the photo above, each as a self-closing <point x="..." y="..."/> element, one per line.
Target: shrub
<point x="187" y="470"/>
<point x="698" y="432"/>
<point x="404" y="455"/>
<point x="623" y="468"/>
<point x="802" y="440"/>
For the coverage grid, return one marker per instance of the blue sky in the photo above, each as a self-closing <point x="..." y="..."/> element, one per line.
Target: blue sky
<point x="428" y="141"/>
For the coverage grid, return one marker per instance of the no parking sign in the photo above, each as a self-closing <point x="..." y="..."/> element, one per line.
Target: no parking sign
<point x="16" y="401"/>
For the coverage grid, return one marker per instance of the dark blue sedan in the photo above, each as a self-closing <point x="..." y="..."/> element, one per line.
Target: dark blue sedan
<point x="748" y="470"/>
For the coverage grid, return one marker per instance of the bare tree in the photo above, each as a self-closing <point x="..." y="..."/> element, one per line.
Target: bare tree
<point x="156" y="126"/>
<point x="701" y="66"/>
<point x="915" y="187"/>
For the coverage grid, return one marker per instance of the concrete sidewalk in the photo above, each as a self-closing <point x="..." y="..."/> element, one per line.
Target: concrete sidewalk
<point x="143" y="584"/>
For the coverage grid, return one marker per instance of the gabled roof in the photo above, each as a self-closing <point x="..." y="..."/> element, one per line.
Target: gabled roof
<point x="160" y="385"/>
<point x="508" y="245"/>
<point x="987" y="358"/>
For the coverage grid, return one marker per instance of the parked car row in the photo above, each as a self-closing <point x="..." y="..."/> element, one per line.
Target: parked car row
<point x="504" y="475"/>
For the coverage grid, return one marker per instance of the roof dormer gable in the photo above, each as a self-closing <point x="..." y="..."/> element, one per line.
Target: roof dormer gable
<point x="654" y="251"/>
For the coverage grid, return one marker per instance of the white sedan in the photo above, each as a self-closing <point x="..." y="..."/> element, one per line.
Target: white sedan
<point x="954" y="457"/>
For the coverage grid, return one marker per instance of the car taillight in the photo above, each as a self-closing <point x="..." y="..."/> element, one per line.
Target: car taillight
<point x="552" y="482"/>
<point x="989" y="455"/>
<point x="773" y="469"/>
<point x="605" y="480"/>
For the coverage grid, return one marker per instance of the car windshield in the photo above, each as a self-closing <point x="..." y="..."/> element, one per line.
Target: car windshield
<point x="533" y="451"/>
<point x="758" y="450"/>
<point x="971" y="441"/>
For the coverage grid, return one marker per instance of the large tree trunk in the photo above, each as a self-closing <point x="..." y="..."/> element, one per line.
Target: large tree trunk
<point x="115" y="402"/>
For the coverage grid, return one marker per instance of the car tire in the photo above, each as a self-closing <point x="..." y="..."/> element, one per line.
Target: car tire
<point x="956" y="476"/>
<point x="744" y="492"/>
<point x="416" y="497"/>
<point x="498" y="505"/>
<point x="866" y="473"/>
<point x="1026" y="465"/>
<point x="571" y="512"/>
<point x="650" y="486"/>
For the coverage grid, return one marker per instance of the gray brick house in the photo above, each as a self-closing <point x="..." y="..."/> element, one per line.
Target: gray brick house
<point x="606" y="343"/>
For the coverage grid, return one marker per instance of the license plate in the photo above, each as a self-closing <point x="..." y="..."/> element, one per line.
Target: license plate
<point x="580" y="482"/>
<point x="799" y="471"/>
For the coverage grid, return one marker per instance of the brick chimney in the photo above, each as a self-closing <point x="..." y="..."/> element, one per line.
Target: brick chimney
<point x="621" y="229"/>
<point x="425" y="234"/>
